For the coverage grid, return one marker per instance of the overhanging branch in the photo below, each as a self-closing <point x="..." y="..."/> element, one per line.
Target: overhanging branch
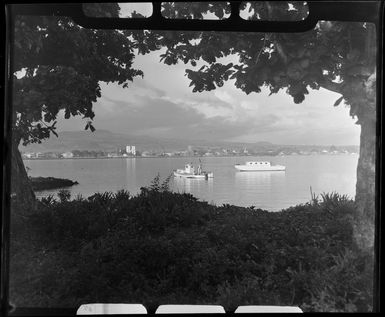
<point x="331" y="85"/>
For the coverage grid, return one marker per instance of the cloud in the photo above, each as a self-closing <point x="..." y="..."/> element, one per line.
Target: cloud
<point x="165" y="118"/>
<point x="162" y="104"/>
<point x="208" y="106"/>
<point x="225" y="96"/>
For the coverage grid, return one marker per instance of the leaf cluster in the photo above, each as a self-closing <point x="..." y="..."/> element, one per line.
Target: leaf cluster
<point x="337" y="56"/>
<point x="63" y="63"/>
<point x="59" y="66"/>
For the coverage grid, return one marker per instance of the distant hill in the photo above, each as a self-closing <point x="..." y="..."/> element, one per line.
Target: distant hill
<point x="86" y="140"/>
<point x="106" y="141"/>
<point x="103" y="140"/>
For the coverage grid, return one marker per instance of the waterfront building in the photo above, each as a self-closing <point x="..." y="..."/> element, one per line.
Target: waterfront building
<point x="146" y="153"/>
<point x="130" y="149"/>
<point x="67" y="155"/>
<point x="29" y="155"/>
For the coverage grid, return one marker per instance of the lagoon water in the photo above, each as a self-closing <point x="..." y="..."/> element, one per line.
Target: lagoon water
<point x="267" y="190"/>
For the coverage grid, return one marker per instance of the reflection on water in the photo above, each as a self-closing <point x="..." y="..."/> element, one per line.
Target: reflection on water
<point x="256" y="186"/>
<point x="130" y="171"/>
<point x="191" y="185"/>
<point x="258" y="177"/>
<point x="271" y="190"/>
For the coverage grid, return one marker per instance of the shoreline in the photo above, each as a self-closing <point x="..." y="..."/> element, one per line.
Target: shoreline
<point x="174" y="157"/>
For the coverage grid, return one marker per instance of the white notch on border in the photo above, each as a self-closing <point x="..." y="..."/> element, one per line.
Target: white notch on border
<point x="268" y="309"/>
<point x="190" y="309"/>
<point x="108" y="309"/>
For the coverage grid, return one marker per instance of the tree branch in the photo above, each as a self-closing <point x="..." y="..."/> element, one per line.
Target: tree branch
<point x="262" y="48"/>
<point x="332" y="86"/>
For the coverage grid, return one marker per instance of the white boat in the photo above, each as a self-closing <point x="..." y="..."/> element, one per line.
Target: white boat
<point x="189" y="171"/>
<point x="259" y="166"/>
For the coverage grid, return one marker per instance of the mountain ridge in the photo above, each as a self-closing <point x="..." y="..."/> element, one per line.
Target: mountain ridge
<point x="104" y="140"/>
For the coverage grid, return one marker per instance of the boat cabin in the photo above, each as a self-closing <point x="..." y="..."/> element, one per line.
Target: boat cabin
<point x="189" y="168"/>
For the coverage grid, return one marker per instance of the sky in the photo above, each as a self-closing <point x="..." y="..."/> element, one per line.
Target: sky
<point x="163" y="105"/>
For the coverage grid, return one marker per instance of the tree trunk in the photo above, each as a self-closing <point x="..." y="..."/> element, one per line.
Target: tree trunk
<point x="365" y="187"/>
<point x="364" y="226"/>
<point x="21" y="188"/>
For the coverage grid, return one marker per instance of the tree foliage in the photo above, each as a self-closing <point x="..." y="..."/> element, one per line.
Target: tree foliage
<point x="64" y="63"/>
<point x="58" y="66"/>
<point x="337" y="56"/>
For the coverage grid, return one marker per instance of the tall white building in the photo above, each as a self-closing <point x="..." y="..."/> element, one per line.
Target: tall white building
<point x="131" y="149"/>
<point x="67" y="155"/>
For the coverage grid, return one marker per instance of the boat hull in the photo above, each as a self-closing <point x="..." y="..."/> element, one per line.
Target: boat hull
<point x="246" y="168"/>
<point x="195" y="176"/>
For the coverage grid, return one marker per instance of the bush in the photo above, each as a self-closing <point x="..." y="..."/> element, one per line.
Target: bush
<point x="64" y="195"/>
<point x="161" y="247"/>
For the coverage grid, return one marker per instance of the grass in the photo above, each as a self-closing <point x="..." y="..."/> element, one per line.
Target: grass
<point x="160" y="247"/>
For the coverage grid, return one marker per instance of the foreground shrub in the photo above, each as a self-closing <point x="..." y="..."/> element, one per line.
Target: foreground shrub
<point x="161" y="247"/>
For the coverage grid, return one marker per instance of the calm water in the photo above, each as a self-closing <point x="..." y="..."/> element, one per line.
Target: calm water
<point x="268" y="190"/>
